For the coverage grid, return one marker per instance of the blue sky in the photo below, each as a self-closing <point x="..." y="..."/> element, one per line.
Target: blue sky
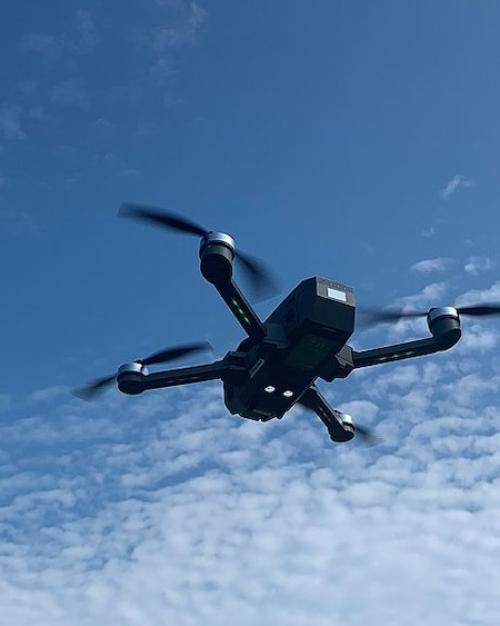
<point x="354" y="140"/>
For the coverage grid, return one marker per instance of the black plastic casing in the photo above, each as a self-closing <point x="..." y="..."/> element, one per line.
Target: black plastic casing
<point x="304" y="333"/>
<point x="444" y="325"/>
<point x="216" y="262"/>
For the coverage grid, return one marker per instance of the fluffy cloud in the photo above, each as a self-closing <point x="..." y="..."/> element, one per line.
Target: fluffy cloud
<point x="426" y="266"/>
<point x="478" y="264"/>
<point x="474" y="296"/>
<point x="179" y="26"/>
<point x="165" y="509"/>
<point x="454" y="184"/>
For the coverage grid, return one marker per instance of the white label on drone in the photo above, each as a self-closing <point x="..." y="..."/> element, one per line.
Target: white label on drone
<point x="335" y="294"/>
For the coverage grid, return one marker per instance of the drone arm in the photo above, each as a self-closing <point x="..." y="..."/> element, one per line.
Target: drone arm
<point x="184" y="376"/>
<point x="241" y="309"/>
<point x="402" y="351"/>
<point x="216" y="264"/>
<point x="132" y="380"/>
<point x="339" y="431"/>
<point x="444" y="325"/>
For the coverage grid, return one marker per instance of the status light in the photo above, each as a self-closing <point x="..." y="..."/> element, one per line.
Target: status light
<point x="270" y="389"/>
<point x="240" y="311"/>
<point x="288" y="393"/>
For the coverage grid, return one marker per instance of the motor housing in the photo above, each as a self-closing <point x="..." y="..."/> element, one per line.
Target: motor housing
<point x="348" y="426"/>
<point x="216" y="257"/>
<point x="444" y="324"/>
<point x="130" y="378"/>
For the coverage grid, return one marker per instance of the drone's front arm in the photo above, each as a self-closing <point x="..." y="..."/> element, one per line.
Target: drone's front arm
<point x="444" y="325"/>
<point x="134" y="379"/>
<point x="216" y="256"/>
<point x="240" y="308"/>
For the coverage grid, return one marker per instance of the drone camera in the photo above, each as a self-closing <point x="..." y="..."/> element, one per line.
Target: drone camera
<point x="444" y="324"/>
<point x="130" y="378"/>
<point x="216" y="257"/>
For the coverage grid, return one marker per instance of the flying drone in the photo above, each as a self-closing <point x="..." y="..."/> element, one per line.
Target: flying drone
<point x="303" y="339"/>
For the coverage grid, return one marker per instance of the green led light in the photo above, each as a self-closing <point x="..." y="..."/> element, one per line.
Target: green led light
<point x="399" y="355"/>
<point x="240" y="311"/>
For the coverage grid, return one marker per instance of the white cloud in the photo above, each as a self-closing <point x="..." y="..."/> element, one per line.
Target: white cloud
<point x="139" y="511"/>
<point x="189" y="17"/>
<point x="51" y="48"/>
<point x="429" y="232"/>
<point x="180" y="27"/>
<point x="428" y="295"/>
<point x="477" y="296"/>
<point x="454" y="184"/>
<point x="426" y="266"/>
<point x="478" y="339"/>
<point x="477" y="264"/>
<point x="409" y="328"/>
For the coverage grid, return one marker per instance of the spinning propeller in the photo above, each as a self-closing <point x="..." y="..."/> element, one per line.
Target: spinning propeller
<point x="394" y="315"/>
<point x="94" y="387"/>
<point x="259" y="276"/>
<point x="367" y="436"/>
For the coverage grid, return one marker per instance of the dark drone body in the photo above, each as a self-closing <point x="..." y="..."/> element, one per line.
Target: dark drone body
<point x="304" y="338"/>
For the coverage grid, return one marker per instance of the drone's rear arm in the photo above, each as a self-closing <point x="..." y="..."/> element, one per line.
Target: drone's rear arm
<point x="444" y="325"/>
<point x="331" y="418"/>
<point x="396" y="352"/>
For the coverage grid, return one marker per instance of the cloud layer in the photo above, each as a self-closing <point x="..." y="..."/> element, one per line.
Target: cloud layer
<point x="164" y="509"/>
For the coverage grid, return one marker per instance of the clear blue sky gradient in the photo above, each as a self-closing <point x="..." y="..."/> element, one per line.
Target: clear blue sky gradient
<point x="320" y="136"/>
<point x="354" y="140"/>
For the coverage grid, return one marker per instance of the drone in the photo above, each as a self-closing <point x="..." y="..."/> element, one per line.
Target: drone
<point x="278" y="363"/>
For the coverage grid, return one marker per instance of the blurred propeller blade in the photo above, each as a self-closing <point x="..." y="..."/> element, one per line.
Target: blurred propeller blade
<point x="479" y="309"/>
<point x="261" y="279"/>
<point x="367" y="436"/>
<point x="162" y="218"/>
<point x="375" y="316"/>
<point x="170" y="354"/>
<point x="92" y="389"/>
